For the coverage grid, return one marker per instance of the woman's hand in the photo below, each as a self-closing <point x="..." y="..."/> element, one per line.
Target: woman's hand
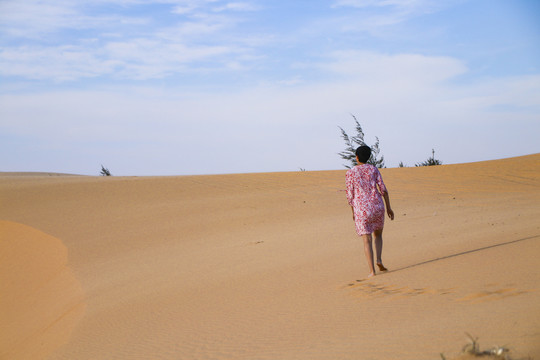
<point x="390" y="213"/>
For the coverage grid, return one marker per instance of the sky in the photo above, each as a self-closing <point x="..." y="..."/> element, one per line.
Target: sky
<point x="181" y="87"/>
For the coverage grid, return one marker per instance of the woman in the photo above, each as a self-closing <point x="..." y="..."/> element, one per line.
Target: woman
<point x="365" y="193"/>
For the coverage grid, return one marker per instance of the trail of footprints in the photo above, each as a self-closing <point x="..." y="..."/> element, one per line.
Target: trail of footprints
<point x="492" y="292"/>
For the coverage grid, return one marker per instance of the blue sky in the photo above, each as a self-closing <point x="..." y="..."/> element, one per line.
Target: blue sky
<point x="174" y="87"/>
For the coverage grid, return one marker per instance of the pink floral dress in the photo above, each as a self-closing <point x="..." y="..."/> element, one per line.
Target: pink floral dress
<point x="366" y="200"/>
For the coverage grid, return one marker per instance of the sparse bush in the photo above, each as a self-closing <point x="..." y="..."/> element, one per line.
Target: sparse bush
<point x="353" y="142"/>
<point x="472" y="350"/>
<point x="430" y="161"/>
<point x="105" y="171"/>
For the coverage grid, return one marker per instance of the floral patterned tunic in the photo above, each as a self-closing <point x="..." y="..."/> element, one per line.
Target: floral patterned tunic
<point x="366" y="200"/>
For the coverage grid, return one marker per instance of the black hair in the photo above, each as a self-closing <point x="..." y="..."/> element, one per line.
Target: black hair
<point x="363" y="153"/>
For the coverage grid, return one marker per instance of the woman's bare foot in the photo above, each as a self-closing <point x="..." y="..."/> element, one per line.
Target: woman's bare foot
<point x="371" y="275"/>
<point x="381" y="267"/>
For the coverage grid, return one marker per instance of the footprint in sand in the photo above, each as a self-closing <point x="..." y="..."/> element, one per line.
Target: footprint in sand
<point x="369" y="289"/>
<point x="492" y="295"/>
<point x="375" y="290"/>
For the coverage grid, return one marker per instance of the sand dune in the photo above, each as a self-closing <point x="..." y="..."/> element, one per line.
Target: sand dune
<point x="268" y="266"/>
<point x="41" y="300"/>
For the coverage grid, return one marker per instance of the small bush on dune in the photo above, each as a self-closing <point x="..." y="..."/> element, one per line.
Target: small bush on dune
<point x="472" y="351"/>
<point x="105" y="171"/>
<point x="430" y="161"/>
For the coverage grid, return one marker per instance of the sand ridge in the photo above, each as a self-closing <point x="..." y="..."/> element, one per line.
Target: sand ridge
<point x="41" y="300"/>
<point x="268" y="266"/>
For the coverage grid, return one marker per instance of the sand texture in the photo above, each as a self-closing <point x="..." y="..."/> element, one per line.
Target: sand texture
<point x="268" y="266"/>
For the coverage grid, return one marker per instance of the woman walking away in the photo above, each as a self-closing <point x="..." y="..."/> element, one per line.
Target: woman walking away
<point x="365" y="193"/>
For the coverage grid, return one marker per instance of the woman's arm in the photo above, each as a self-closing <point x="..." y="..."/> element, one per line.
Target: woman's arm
<point x="349" y="183"/>
<point x="384" y="192"/>
<point x="389" y="210"/>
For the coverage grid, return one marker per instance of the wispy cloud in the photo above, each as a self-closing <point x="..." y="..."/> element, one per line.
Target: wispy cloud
<point x="407" y="5"/>
<point x="197" y="7"/>
<point x="397" y="97"/>
<point x="60" y="63"/>
<point x="137" y="59"/>
<point x="238" y="6"/>
<point x="33" y="19"/>
<point x="370" y="65"/>
<point x="376" y="14"/>
<point x="113" y="44"/>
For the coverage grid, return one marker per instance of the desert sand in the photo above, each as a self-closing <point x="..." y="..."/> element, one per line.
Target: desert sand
<point x="268" y="266"/>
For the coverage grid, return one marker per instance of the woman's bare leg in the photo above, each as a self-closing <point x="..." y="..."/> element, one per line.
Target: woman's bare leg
<point x="378" y="248"/>
<point x="368" y="250"/>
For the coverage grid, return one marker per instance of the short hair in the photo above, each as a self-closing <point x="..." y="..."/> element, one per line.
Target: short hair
<point x="363" y="153"/>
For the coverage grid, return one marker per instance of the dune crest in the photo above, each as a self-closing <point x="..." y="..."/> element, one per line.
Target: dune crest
<point x="40" y="299"/>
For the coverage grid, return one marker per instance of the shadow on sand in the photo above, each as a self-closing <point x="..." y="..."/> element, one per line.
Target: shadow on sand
<point x="462" y="253"/>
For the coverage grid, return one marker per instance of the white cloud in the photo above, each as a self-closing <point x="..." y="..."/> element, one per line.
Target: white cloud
<point x="62" y="63"/>
<point x="377" y="14"/>
<point x="32" y="18"/>
<point x="195" y="7"/>
<point x="413" y="67"/>
<point x="183" y="9"/>
<point x="407" y="100"/>
<point x="120" y="46"/>
<point x="237" y="6"/>
<point x="35" y="19"/>
<point x="134" y="59"/>
<point x="399" y="4"/>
